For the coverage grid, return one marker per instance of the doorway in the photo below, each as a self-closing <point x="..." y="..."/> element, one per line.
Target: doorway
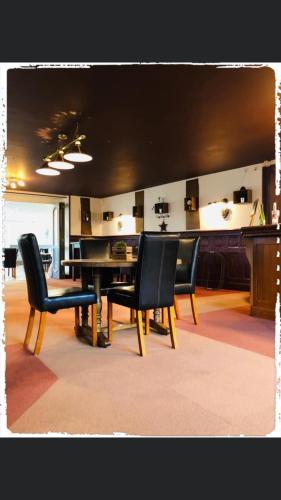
<point x="45" y="216"/>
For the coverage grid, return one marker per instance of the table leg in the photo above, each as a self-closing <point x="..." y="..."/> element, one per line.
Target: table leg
<point x="97" y="287"/>
<point x="156" y="324"/>
<point x="85" y="280"/>
<point x="85" y="331"/>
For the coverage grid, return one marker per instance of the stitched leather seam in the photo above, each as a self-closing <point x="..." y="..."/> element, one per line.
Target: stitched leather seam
<point x="160" y="272"/>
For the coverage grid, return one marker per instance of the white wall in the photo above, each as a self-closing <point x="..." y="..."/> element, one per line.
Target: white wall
<point x="212" y="187"/>
<point x="120" y="204"/>
<point x="174" y="194"/>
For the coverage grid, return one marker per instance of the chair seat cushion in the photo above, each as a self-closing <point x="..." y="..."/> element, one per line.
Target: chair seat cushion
<point x="63" y="298"/>
<point x="182" y="288"/>
<point x="124" y="296"/>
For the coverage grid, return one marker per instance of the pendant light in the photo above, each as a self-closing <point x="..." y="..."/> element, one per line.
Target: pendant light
<point x="46" y="170"/>
<point x="60" y="163"/>
<point x="78" y="156"/>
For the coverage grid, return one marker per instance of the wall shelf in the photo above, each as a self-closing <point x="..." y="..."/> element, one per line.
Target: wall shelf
<point x="238" y="196"/>
<point x="107" y="216"/>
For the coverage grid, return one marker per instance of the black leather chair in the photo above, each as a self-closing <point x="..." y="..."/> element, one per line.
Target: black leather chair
<point x="97" y="248"/>
<point x="43" y="301"/>
<point x="10" y="260"/>
<point x="154" y="283"/>
<point x="186" y="273"/>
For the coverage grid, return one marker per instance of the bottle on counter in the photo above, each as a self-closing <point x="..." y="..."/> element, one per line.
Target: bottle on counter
<point x="275" y="214"/>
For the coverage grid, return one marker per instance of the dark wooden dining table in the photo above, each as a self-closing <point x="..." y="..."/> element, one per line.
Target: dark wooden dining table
<point x="97" y="266"/>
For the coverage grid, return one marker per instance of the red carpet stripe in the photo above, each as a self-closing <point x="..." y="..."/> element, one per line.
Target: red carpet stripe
<point x="235" y="327"/>
<point x="27" y="379"/>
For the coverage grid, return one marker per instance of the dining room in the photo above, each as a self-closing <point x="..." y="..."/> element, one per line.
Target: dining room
<point x="160" y="319"/>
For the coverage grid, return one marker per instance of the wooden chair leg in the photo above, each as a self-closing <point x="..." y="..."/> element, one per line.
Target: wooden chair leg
<point x="94" y="324"/>
<point x="194" y="308"/>
<point x="176" y="307"/>
<point x="29" y="326"/>
<point x="147" y="323"/>
<point x="40" y="334"/>
<point x="132" y="316"/>
<point x="77" y="322"/>
<point x="164" y="316"/>
<point x="140" y="333"/>
<point x="109" y="320"/>
<point x="171" y="314"/>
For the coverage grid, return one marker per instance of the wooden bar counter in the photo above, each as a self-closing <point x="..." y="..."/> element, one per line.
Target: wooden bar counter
<point x="262" y="244"/>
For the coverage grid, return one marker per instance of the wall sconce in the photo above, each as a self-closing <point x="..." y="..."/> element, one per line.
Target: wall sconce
<point x="226" y="211"/>
<point x="14" y="183"/>
<point x="120" y="223"/>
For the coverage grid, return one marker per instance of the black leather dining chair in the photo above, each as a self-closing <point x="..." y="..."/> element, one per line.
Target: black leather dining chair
<point x="186" y="273"/>
<point x="44" y="301"/>
<point x="10" y="260"/>
<point x="97" y="248"/>
<point x="154" y="283"/>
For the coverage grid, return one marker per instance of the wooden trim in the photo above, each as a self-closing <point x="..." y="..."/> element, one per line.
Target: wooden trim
<point x="41" y="330"/>
<point x="29" y="326"/>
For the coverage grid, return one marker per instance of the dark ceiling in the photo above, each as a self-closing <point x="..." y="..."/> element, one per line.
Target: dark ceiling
<point x="145" y="124"/>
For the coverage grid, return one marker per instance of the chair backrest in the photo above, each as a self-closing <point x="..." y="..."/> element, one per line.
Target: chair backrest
<point x="188" y="254"/>
<point x="34" y="271"/>
<point x="10" y="257"/>
<point x="94" y="248"/>
<point x="156" y="269"/>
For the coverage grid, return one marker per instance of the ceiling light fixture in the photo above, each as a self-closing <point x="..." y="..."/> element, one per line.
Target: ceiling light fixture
<point x="78" y="156"/>
<point x="55" y="162"/>
<point x="60" y="163"/>
<point x="46" y="170"/>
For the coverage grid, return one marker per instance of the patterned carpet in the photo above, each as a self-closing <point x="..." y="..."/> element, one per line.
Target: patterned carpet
<point x="219" y="382"/>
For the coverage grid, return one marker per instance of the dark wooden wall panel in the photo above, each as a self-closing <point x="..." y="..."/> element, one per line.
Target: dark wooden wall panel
<point x="139" y="200"/>
<point x="192" y="218"/>
<point x="268" y="192"/>
<point x="86" y="225"/>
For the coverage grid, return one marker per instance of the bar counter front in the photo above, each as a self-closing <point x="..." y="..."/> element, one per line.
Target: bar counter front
<point x="263" y="250"/>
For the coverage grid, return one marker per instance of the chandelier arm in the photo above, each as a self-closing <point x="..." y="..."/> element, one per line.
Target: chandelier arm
<point x="64" y="148"/>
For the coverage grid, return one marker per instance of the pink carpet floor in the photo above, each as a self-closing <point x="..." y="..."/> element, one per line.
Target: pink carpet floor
<point x="219" y="382"/>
